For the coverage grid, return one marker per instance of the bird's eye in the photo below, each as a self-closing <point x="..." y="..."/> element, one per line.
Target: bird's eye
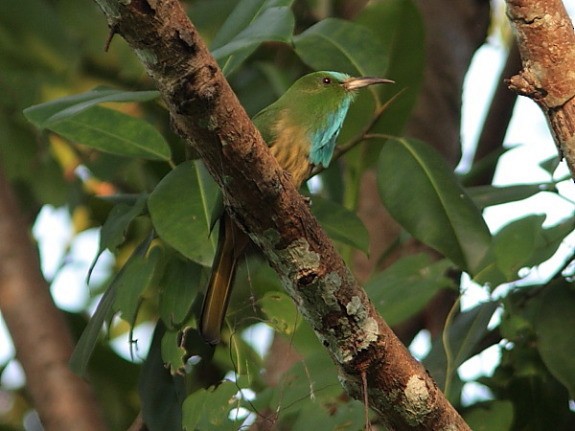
<point x="326" y="80"/>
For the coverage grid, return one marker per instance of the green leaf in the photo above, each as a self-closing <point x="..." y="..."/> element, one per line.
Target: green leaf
<point x="550" y="164"/>
<point x="341" y="224"/>
<point x="47" y="114"/>
<point x="513" y="245"/>
<point x="335" y="44"/>
<point x="486" y="196"/>
<point x="180" y="283"/>
<point x="423" y="195"/>
<point x="549" y="241"/>
<point x="209" y="409"/>
<point x="242" y="17"/>
<point x="281" y="312"/>
<point x="113" y="132"/>
<point x="89" y="338"/>
<point x="489" y="416"/>
<point x="113" y="232"/>
<point x="407" y="286"/>
<point x="525" y="243"/>
<point x="463" y="336"/>
<point x="251" y="23"/>
<point x="397" y="24"/>
<point x="555" y="337"/>
<point x="173" y="355"/>
<point x="87" y="342"/>
<point x="137" y="275"/>
<point x="179" y="207"/>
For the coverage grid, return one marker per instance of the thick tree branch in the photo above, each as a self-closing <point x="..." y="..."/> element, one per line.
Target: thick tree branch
<point x="546" y="43"/>
<point x="260" y="196"/>
<point x="43" y="341"/>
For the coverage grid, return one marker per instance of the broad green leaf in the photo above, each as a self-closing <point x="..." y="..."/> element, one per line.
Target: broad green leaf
<point x="423" y="195"/>
<point x="486" y="196"/>
<point x="87" y="342"/>
<point x="514" y="244"/>
<point x="243" y="16"/>
<point x="489" y="416"/>
<point x="180" y="285"/>
<point x="275" y="24"/>
<point x="47" y="114"/>
<point x="341" y="224"/>
<point x="463" y="336"/>
<point x="343" y="46"/>
<point x="526" y="243"/>
<point x="549" y="241"/>
<point x="262" y="23"/>
<point x="114" y="229"/>
<point x="209" y="409"/>
<point x="397" y="24"/>
<point x="114" y="132"/>
<point x="180" y="213"/>
<point x="137" y="275"/>
<point x="281" y="312"/>
<point x="405" y="287"/>
<point x="554" y="325"/>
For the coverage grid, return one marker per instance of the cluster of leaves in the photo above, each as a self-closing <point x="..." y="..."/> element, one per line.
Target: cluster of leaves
<point x="154" y="210"/>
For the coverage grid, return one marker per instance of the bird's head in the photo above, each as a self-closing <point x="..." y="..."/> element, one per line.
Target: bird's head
<point x="317" y="103"/>
<point x="336" y="85"/>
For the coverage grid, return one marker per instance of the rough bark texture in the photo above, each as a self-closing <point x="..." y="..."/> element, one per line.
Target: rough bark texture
<point x="546" y="43"/>
<point x="206" y="113"/>
<point x="42" y="340"/>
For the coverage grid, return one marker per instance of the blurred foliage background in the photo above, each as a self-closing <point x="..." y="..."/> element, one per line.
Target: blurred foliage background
<point x="83" y="129"/>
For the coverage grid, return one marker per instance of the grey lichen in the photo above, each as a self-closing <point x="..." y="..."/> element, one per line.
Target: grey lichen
<point x="332" y="285"/>
<point x="417" y="400"/>
<point x="355" y="308"/>
<point x="299" y="252"/>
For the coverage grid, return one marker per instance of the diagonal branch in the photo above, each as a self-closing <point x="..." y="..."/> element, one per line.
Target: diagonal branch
<point x="546" y="43"/>
<point x="206" y="113"/>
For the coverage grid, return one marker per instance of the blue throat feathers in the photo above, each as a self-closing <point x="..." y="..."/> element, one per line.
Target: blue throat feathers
<point x="323" y="139"/>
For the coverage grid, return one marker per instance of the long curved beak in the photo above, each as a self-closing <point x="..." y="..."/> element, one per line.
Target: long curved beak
<point x="356" y="83"/>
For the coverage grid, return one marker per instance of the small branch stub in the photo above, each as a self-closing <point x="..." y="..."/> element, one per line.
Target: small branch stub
<point x="546" y="42"/>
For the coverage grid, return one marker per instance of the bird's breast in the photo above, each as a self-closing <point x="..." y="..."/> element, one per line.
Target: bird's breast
<point x="291" y="149"/>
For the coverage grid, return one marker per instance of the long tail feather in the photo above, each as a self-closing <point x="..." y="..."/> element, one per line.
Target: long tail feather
<point x="231" y="243"/>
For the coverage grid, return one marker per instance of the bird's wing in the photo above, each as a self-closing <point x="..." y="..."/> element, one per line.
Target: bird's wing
<point x="265" y="121"/>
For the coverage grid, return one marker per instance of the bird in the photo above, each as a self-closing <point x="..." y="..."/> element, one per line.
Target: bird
<point x="300" y="128"/>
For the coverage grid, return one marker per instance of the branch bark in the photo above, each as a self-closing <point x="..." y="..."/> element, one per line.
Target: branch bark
<point x="546" y="43"/>
<point x="206" y="113"/>
<point x="41" y="337"/>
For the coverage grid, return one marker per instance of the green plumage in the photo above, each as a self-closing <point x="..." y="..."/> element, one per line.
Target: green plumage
<point x="300" y="128"/>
